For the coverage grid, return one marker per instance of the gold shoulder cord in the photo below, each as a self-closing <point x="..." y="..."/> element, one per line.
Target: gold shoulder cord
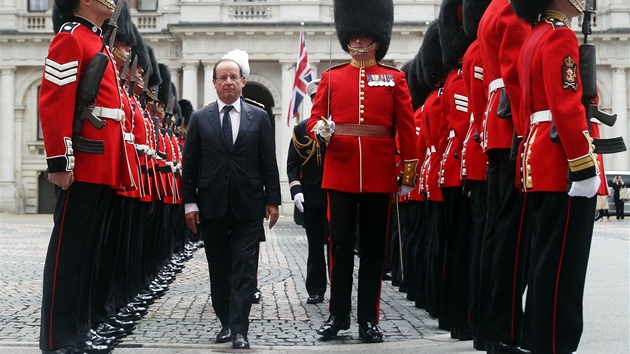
<point x="314" y="149"/>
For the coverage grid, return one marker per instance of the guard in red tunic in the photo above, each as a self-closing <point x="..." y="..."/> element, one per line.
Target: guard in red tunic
<point x="83" y="158"/>
<point x="501" y="34"/>
<point x="556" y="156"/>
<point x="360" y="164"/>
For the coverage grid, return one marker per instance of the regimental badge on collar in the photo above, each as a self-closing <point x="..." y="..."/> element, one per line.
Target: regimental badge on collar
<point x="381" y="80"/>
<point x="569" y="74"/>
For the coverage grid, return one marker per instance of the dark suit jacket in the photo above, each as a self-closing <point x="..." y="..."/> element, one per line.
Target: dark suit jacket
<point x="309" y="174"/>
<point x="245" y="178"/>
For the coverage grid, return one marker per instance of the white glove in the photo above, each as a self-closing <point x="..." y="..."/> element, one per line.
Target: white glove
<point x="325" y="130"/>
<point x="402" y="190"/>
<point x="586" y="188"/>
<point x="299" y="200"/>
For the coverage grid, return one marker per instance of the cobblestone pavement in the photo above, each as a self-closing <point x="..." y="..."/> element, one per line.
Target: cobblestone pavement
<point x="185" y="314"/>
<point x="183" y="321"/>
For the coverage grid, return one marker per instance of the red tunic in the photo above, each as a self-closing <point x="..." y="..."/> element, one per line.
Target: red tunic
<point x="501" y="34"/>
<point x="474" y="162"/>
<point x="454" y="125"/>
<point x="555" y="94"/>
<point x="431" y="113"/>
<point x="417" y="194"/>
<point x="374" y="95"/>
<point x="70" y="51"/>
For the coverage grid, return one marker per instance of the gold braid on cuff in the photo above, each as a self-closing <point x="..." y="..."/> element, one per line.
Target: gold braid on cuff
<point x="410" y="175"/>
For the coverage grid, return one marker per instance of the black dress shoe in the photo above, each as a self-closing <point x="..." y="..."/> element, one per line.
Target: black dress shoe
<point x="127" y="326"/>
<point x="65" y="350"/>
<point x="370" y="333"/>
<point x="315" y="299"/>
<point x="106" y="330"/>
<point x="93" y="348"/>
<point x="333" y="325"/>
<point x="498" y="347"/>
<point x="256" y="297"/>
<point x="225" y="335"/>
<point x="239" y="341"/>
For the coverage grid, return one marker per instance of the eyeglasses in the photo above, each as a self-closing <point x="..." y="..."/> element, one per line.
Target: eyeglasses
<point x="224" y="78"/>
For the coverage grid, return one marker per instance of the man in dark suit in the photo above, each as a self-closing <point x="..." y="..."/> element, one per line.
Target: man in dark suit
<point x="230" y="183"/>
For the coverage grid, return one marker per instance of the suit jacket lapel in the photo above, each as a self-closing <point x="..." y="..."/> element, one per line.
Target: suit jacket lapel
<point x="246" y="120"/>
<point x="215" y="122"/>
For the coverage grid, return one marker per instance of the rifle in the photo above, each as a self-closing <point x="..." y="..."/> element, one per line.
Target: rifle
<point x="123" y="72"/>
<point x="168" y="111"/>
<point x="87" y="90"/>
<point x="590" y="99"/>
<point x="132" y="75"/>
<point x="109" y="37"/>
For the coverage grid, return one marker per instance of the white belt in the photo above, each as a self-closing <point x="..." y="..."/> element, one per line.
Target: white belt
<point x="495" y="85"/>
<point x="433" y="148"/>
<point x="451" y="134"/>
<point x="116" y="114"/>
<point x="540" y="116"/>
<point x="128" y="137"/>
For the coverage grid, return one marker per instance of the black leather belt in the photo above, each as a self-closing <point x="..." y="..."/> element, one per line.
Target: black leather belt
<point x="88" y="146"/>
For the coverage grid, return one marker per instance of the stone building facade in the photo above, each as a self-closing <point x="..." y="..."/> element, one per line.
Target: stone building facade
<point x="189" y="36"/>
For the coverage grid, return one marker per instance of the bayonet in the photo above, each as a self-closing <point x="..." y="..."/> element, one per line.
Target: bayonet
<point x="123" y="73"/>
<point x="110" y="36"/>
<point x="132" y="75"/>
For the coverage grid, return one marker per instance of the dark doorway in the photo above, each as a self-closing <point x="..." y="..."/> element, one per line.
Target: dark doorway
<point x="260" y="94"/>
<point x="45" y="195"/>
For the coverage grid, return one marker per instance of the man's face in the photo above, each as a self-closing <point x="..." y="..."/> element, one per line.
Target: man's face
<point x="228" y="81"/>
<point x="359" y="44"/>
<point x="103" y="10"/>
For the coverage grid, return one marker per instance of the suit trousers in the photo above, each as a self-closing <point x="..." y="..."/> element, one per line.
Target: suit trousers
<point x="558" y="257"/>
<point x="316" y="225"/>
<point x="70" y="270"/>
<point x="231" y="246"/>
<point x="373" y="216"/>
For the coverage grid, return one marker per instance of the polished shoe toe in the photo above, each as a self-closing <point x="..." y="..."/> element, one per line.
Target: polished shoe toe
<point x="256" y="297"/>
<point x="225" y="335"/>
<point x="315" y="299"/>
<point x="370" y="333"/>
<point x="65" y="350"/>
<point x="240" y="342"/>
<point x="333" y="326"/>
<point x="93" y="348"/>
<point x="498" y="347"/>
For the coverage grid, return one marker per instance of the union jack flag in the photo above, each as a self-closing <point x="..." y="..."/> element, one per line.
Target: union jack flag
<point x="302" y="78"/>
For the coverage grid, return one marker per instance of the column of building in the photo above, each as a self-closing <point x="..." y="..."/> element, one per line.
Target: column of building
<point x="189" y="83"/>
<point x="620" y="161"/>
<point x="7" y="140"/>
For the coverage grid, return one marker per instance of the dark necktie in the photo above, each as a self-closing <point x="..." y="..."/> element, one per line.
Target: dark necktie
<point x="227" y="126"/>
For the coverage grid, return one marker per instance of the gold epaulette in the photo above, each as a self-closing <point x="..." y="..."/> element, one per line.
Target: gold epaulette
<point x="556" y="19"/>
<point x="209" y="103"/>
<point x="249" y="100"/>
<point x="389" y="66"/>
<point x="337" y="66"/>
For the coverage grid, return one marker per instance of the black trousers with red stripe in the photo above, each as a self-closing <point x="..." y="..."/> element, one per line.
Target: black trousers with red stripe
<point x="562" y="229"/>
<point x="373" y="217"/>
<point x="504" y="249"/>
<point x="70" y="270"/>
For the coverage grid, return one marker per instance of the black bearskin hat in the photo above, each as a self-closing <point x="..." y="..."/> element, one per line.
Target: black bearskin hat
<point x="140" y="49"/>
<point x="187" y="110"/>
<point x="529" y="10"/>
<point x="453" y="40"/>
<point x="63" y="11"/>
<point x="155" y="79"/>
<point x="164" y="94"/>
<point x="373" y="18"/>
<point x="473" y="11"/>
<point x="125" y="32"/>
<point x="423" y="89"/>
<point x="433" y="69"/>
